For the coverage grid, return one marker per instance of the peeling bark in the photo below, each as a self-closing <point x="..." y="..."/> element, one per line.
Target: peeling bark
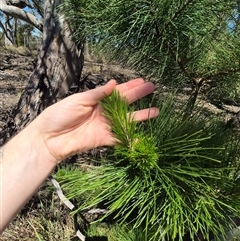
<point x="58" y="67"/>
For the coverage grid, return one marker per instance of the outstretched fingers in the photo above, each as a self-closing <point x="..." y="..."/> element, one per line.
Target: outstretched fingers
<point x="129" y="85"/>
<point x="145" y="114"/>
<point x="92" y="97"/>
<point x="138" y="91"/>
<point x="132" y="90"/>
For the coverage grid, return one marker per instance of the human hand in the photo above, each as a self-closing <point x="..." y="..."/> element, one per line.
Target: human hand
<point x="76" y="123"/>
<point x="70" y="126"/>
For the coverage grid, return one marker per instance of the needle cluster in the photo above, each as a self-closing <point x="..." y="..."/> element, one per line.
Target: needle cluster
<point x="171" y="176"/>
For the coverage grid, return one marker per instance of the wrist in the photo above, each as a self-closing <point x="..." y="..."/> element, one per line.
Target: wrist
<point x="38" y="144"/>
<point x="29" y="143"/>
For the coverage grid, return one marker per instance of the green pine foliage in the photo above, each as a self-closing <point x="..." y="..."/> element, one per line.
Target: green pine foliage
<point x="179" y="173"/>
<point x="169" y="176"/>
<point x="138" y="148"/>
<point x="116" y="232"/>
<point x="179" y="42"/>
<point x="124" y="125"/>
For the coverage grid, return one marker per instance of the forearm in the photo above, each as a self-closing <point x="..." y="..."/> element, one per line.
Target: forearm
<point x="24" y="165"/>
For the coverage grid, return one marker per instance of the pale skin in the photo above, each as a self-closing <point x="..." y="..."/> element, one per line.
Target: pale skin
<point x="73" y="125"/>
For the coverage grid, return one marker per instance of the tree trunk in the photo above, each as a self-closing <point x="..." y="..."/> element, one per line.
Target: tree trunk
<point x="58" y="67"/>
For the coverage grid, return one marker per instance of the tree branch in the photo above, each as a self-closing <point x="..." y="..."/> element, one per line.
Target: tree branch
<point x="5" y="32"/>
<point x="2" y="26"/>
<point x="21" y="14"/>
<point x="216" y="74"/>
<point x="177" y="13"/>
<point x="159" y="34"/>
<point x="174" y="55"/>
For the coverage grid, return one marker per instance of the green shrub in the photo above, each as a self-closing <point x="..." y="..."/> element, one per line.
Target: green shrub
<point x="170" y="175"/>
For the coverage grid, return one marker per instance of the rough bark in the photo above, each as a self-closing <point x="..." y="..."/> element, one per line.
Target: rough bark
<point x="58" y="67"/>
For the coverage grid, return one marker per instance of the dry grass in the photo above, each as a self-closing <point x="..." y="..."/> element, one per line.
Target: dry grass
<point x="20" y="50"/>
<point x="44" y="218"/>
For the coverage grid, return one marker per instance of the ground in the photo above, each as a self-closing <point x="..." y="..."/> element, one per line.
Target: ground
<point x="14" y="71"/>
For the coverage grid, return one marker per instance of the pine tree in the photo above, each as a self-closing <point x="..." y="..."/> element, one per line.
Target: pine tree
<point x="176" y="176"/>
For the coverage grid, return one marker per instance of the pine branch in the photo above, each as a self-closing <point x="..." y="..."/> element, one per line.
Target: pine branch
<point x="178" y="175"/>
<point x="174" y="55"/>
<point x="220" y="73"/>
<point x="115" y="109"/>
<point x="178" y="13"/>
<point x="134" y="147"/>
